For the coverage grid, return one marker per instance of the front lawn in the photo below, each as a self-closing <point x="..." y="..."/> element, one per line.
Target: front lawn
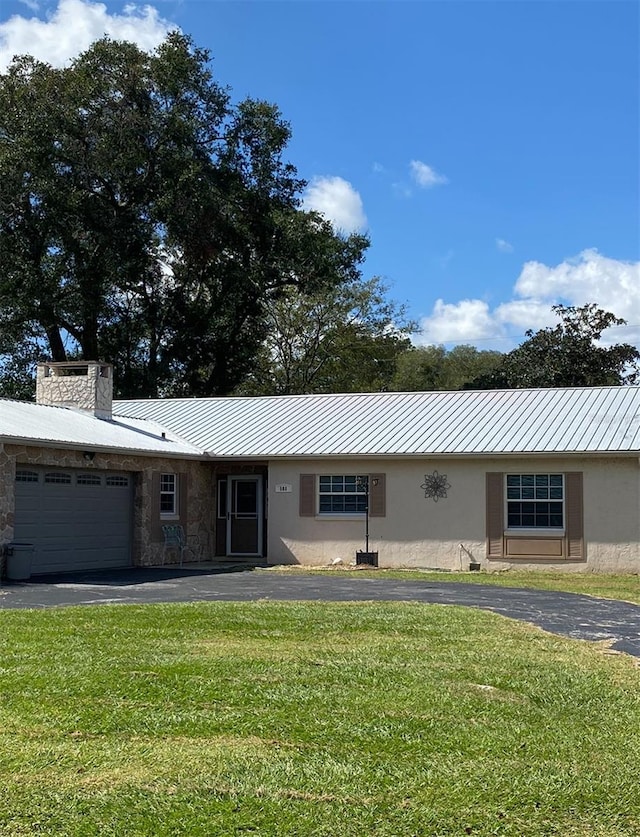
<point x="314" y="719"/>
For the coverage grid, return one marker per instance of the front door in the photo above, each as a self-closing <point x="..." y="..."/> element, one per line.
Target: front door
<point x="244" y="515"/>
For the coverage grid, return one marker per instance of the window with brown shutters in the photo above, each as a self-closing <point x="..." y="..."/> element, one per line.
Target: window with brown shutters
<point x="544" y="516"/>
<point x="342" y="494"/>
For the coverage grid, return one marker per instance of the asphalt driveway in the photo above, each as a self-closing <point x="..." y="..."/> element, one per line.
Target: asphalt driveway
<point x="567" y="614"/>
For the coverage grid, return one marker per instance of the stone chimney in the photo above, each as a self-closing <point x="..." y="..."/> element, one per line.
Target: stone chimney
<point x="83" y="384"/>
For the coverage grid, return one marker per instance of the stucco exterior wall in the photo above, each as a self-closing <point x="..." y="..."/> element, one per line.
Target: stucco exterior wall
<point x="450" y="533"/>
<point x="146" y="550"/>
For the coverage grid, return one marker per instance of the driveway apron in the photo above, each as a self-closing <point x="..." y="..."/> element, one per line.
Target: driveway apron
<point x="566" y="614"/>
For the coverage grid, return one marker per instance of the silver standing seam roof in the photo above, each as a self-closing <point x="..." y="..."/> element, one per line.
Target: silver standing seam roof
<point x="22" y="422"/>
<point x="522" y="421"/>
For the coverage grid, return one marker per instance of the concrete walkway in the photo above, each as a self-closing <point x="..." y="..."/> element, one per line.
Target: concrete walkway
<point x="567" y="614"/>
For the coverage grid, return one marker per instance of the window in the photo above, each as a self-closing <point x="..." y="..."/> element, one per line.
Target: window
<point x="535" y="501"/>
<point x="342" y="494"/>
<point x="58" y="477"/>
<point x="88" y="479"/>
<point x="26" y="476"/>
<point x="118" y="481"/>
<point x="168" y="495"/>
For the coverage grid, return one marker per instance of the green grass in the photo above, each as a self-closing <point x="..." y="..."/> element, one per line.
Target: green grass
<point x="621" y="586"/>
<point x="311" y="719"/>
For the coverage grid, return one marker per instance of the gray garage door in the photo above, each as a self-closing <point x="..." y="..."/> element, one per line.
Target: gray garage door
<point x="77" y="520"/>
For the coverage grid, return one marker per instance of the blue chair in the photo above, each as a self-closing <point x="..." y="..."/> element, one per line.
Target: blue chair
<point x="174" y="538"/>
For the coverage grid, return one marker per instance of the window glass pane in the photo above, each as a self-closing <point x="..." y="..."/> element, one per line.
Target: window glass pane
<point x="246" y="497"/>
<point x="58" y="477"/>
<point x="88" y="479"/>
<point x="167" y="482"/>
<point x="342" y="494"/>
<point x="167" y="493"/>
<point x="117" y="481"/>
<point x="513" y="518"/>
<point x="535" y="493"/>
<point x="26" y="476"/>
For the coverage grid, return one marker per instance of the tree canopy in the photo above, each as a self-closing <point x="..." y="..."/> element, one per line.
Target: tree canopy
<point x="146" y="220"/>
<point x="345" y="338"/>
<point x="567" y="355"/>
<point x="435" y="368"/>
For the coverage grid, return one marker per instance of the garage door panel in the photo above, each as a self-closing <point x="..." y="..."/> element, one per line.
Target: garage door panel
<point x="74" y="524"/>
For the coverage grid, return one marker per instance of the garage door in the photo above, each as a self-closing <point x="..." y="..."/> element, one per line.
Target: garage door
<point x="77" y="520"/>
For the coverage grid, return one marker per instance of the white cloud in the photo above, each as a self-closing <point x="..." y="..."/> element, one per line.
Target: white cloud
<point x="338" y="201"/>
<point x="590" y="277"/>
<point x="462" y="322"/>
<point x="504" y="246"/>
<point x="74" y="26"/>
<point x="425" y="176"/>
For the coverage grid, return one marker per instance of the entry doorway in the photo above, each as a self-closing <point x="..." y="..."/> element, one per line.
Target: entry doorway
<point x="244" y="514"/>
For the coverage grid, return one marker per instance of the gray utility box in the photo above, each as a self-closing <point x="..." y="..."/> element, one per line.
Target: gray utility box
<point x="18" y="561"/>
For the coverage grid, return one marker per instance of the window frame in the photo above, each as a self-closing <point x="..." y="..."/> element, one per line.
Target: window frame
<point x="532" y="528"/>
<point x="169" y="479"/>
<point x="360" y="494"/>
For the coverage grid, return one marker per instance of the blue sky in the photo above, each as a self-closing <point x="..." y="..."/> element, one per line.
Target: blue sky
<point x="490" y="149"/>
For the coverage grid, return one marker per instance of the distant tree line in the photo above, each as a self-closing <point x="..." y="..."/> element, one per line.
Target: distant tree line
<point x="147" y="220"/>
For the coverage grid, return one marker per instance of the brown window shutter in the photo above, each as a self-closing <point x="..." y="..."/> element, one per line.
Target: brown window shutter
<point x="183" y="498"/>
<point x="377" y="495"/>
<point x="307" y="495"/>
<point x="574" y="523"/>
<point x="495" y="514"/>
<point x="156" y="524"/>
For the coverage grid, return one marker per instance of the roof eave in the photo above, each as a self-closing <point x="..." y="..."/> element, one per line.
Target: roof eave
<point x="110" y="449"/>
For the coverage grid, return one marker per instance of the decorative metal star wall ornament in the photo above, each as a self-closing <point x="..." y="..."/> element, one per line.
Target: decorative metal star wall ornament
<point x="435" y="485"/>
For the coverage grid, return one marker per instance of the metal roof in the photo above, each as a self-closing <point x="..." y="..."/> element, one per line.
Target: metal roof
<point x="24" y="423"/>
<point x="590" y="420"/>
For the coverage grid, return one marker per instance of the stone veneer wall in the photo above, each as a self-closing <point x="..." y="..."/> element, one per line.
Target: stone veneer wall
<point x="200" y="507"/>
<point x="92" y="391"/>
